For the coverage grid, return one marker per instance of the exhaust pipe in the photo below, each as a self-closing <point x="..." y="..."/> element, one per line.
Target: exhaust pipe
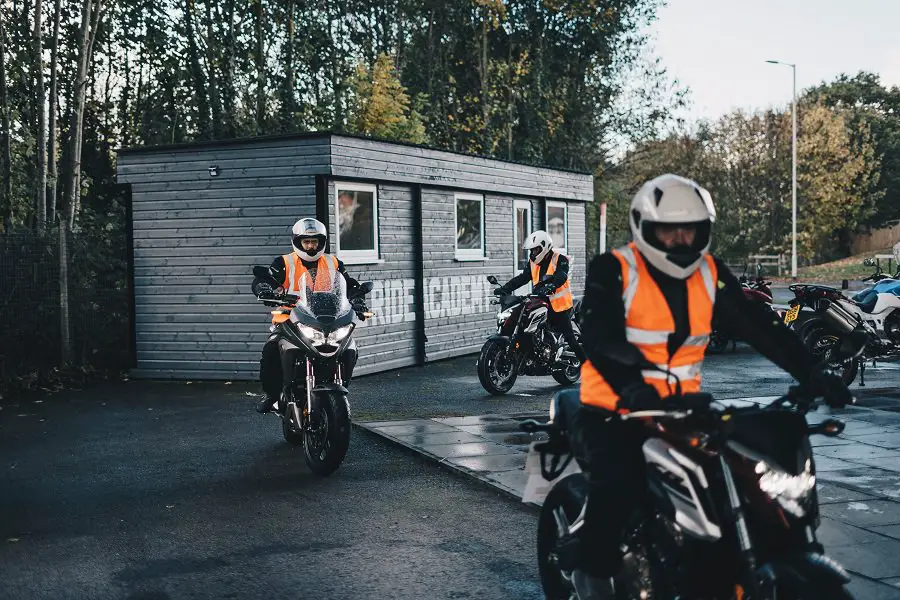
<point x="840" y="318"/>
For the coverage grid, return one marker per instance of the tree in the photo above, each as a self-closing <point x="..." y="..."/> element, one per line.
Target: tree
<point x="381" y="105"/>
<point x="40" y="184"/>
<point x="52" y="133"/>
<point x="91" y="13"/>
<point x="6" y="200"/>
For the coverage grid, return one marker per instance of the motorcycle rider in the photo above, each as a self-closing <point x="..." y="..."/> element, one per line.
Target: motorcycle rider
<point x="548" y="272"/>
<point x="654" y="299"/>
<point x="309" y="239"/>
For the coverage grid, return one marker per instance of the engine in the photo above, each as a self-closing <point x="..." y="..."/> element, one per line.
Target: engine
<point x="545" y="347"/>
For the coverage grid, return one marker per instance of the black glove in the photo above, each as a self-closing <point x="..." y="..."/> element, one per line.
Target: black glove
<point x="500" y="291"/>
<point x="640" y="396"/>
<point x="543" y="289"/>
<point x="359" y="307"/>
<point x="829" y="385"/>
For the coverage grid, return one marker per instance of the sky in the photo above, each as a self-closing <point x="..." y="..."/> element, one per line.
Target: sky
<point x="718" y="48"/>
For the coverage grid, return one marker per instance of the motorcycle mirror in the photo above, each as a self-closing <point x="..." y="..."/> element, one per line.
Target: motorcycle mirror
<point x="492" y="279"/>
<point x="869" y="262"/>
<point x="262" y="272"/>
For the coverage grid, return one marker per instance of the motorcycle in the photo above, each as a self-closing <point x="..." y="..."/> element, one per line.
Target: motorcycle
<point x="757" y="291"/>
<point x="871" y="314"/>
<point x="315" y="329"/>
<point x="732" y="508"/>
<point x="525" y="345"/>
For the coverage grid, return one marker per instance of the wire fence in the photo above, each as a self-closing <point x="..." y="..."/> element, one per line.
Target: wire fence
<point x="32" y="326"/>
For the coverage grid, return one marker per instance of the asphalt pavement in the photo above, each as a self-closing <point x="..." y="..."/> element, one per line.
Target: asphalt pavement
<point x="157" y="491"/>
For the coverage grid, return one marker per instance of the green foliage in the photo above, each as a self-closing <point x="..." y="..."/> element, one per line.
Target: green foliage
<point x="380" y="106"/>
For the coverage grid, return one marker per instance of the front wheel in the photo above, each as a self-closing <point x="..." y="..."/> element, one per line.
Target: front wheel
<point x="560" y="509"/>
<point x="497" y="370"/>
<point x="328" y="438"/>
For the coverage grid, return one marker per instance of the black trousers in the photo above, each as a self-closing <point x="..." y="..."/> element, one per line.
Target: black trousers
<point x="276" y="367"/>
<point x="562" y="322"/>
<point x="618" y="484"/>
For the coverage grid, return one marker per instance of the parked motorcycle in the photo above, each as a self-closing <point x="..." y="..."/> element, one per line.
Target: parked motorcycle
<point x="756" y="290"/>
<point x="525" y="345"/>
<point x="871" y="314"/>
<point x="316" y="327"/>
<point x="732" y="511"/>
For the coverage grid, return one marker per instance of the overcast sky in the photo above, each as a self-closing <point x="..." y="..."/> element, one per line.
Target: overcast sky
<point x="718" y="48"/>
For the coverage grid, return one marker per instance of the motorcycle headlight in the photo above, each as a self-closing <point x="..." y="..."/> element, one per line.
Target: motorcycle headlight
<point x="315" y="337"/>
<point x="790" y="491"/>
<point x="336" y="336"/>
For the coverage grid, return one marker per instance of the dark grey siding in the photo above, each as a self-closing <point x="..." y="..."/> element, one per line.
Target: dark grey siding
<point x="369" y="159"/>
<point x="458" y="316"/>
<point x="196" y="238"/>
<point x="387" y="340"/>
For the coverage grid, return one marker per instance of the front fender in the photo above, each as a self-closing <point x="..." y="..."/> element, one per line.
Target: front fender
<point x="806" y="570"/>
<point x="501" y="339"/>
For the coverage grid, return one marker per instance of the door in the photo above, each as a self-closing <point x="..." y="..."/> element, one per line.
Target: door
<point x="521" y="230"/>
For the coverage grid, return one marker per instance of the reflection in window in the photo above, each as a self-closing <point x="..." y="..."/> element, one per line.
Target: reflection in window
<point x="469" y="227"/>
<point x="556" y="225"/>
<point x="357" y="222"/>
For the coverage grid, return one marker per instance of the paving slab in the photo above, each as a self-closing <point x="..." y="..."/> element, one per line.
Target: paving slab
<point x="859" y="492"/>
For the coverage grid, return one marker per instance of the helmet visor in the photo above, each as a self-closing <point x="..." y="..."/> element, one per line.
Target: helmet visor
<point x="682" y="242"/>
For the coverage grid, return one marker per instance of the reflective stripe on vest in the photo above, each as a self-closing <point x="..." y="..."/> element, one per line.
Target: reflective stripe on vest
<point x="326" y="269"/>
<point x="561" y="299"/>
<point x="648" y="325"/>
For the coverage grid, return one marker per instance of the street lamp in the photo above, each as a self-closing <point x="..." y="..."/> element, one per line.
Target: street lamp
<point x="793" y="169"/>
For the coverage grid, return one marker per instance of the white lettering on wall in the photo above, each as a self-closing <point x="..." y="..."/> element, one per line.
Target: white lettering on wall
<point x="393" y="301"/>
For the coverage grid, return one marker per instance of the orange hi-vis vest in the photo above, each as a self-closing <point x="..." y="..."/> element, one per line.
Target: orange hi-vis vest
<point x="326" y="271"/>
<point x="648" y="324"/>
<point x="562" y="298"/>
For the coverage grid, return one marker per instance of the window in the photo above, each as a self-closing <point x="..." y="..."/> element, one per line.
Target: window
<point x="469" y="227"/>
<point x="558" y="225"/>
<point x="357" y="222"/>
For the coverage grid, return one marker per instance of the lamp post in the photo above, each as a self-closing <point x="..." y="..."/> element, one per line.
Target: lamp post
<point x="793" y="169"/>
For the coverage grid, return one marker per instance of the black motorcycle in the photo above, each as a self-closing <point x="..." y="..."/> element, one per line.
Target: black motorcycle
<point x="732" y="509"/>
<point x="315" y="328"/>
<point x="525" y="345"/>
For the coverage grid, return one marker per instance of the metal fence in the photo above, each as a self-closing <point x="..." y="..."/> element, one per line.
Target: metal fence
<point x="32" y="306"/>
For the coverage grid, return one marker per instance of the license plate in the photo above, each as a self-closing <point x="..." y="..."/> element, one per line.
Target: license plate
<point x="791" y="315"/>
<point x="537" y="488"/>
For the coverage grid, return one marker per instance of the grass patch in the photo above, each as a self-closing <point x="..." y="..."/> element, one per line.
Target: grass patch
<point x="846" y="268"/>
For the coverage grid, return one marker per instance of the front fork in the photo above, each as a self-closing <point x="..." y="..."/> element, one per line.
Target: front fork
<point x="310" y="384"/>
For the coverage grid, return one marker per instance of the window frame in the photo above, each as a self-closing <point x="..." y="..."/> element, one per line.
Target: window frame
<point x="517" y="204"/>
<point x="355" y="257"/>
<point x="468" y="254"/>
<point x="556" y="204"/>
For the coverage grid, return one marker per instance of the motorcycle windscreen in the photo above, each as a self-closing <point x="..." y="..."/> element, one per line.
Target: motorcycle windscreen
<point x="778" y="436"/>
<point x="322" y="298"/>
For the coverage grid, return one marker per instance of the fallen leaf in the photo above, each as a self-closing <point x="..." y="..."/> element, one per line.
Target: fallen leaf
<point x="227" y="383"/>
<point x="170" y="506"/>
<point x="13" y="540"/>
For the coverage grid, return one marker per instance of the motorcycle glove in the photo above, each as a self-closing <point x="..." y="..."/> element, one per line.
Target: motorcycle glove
<point x="640" y="396"/>
<point x="829" y="385"/>
<point x="499" y="291"/>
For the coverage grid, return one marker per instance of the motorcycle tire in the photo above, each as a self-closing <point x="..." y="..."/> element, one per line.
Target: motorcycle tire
<point x="326" y="444"/>
<point x="820" y="341"/>
<point x="569" y="494"/>
<point x="567" y="376"/>
<point x="487" y="366"/>
<point x="717" y="343"/>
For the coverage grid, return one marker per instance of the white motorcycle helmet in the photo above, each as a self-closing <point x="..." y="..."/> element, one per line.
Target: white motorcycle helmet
<point x="538" y="245"/>
<point x="305" y="229"/>
<point x="671" y="200"/>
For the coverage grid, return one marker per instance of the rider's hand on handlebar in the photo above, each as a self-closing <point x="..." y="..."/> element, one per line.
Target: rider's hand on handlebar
<point x="499" y="291"/>
<point x="640" y="396"/>
<point x="831" y="387"/>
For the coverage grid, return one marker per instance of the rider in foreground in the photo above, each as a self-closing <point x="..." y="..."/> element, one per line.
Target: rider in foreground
<point x="309" y="238"/>
<point x="548" y="272"/>
<point x="658" y="294"/>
